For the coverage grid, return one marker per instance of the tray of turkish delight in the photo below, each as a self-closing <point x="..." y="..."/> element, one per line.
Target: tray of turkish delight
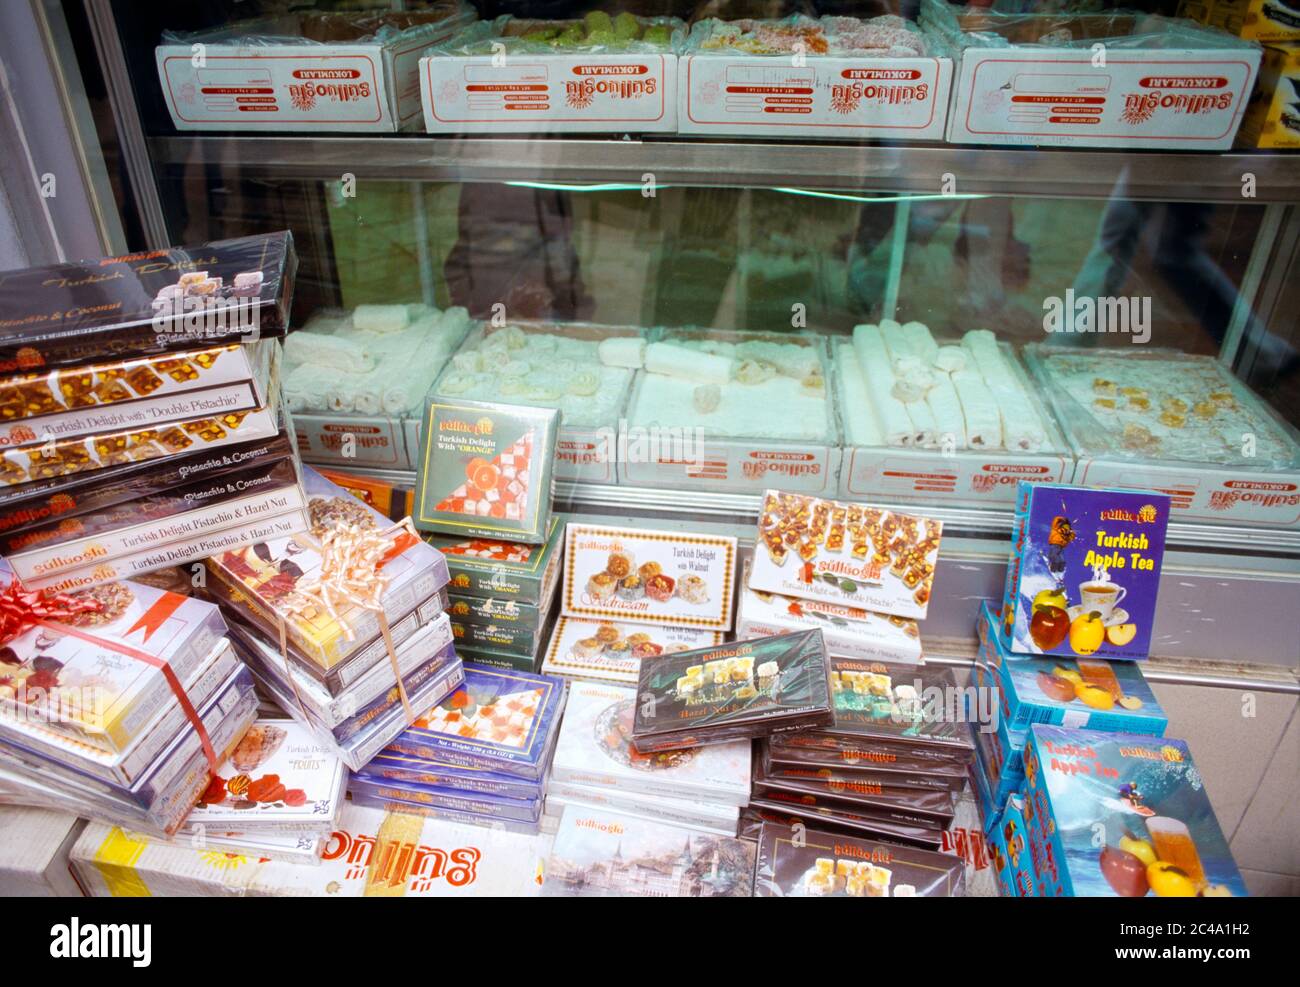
<point x="733" y="411"/>
<point x="941" y="421"/>
<point x="1174" y="422"/>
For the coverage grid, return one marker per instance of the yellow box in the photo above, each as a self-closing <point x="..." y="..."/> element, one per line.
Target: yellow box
<point x="1273" y="115"/>
<point x="1254" y="20"/>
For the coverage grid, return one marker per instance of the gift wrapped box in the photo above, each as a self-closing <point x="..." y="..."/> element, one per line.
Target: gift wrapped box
<point x="279" y="582"/>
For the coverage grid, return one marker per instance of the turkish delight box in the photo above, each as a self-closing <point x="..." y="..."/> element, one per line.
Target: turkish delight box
<point x="1083" y="692"/>
<point x="97" y="670"/>
<point x="851" y="554"/>
<point x="590" y="845"/>
<point x="268" y="576"/>
<point x="1273" y="116"/>
<point x="371" y="853"/>
<point x="395" y="766"/>
<point x="686" y="812"/>
<point x="497" y="612"/>
<point x="34" y="848"/>
<point x="489" y="658"/>
<point x="278" y="778"/>
<point x="314" y="71"/>
<point x="956" y="465"/>
<point x="492" y="569"/>
<point x="656" y="577"/>
<point x="733" y="691"/>
<point x="832" y="78"/>
<point x="875" y="826"/>
<point x="848" y="631"/>
<point x="1257" y="20"/>
<point x="609" y="651"/>
<point x="373" y="441"/>
<point x="933" y="807"/>
<point x="1084" y="572"/>
<point x="595" y="750"/>
<point x="515" y="75"/>
<point x="1124" y="815"/>
<point x="808" y="863"/>
<point x="1176" y="423"/>
<point x="420" y="796"/>
<point x="1037" y="79"/>
<point x="486" y="470"/>
<point x="176" y="298"/>
<point x="728" y="411"/>
<point x="500" y="720"/>
<point x="915" y="705"/>
<point x="855" y="760"/>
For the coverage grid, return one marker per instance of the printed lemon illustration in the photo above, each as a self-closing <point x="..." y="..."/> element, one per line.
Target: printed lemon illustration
<point x="1094" y="696"/>
<point x="1121" y="634"/>
<point x="1168" y="881"/>
<point x="1086" y="633"/>
<point x="1142" y="849"/>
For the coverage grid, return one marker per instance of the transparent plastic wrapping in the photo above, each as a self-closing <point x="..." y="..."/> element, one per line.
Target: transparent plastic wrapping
<point x="596" y="33"/>
<point x="980" y="27"/>
<point x="328" y="27"/>
<point x="887" y="35"/>
<point x="1149" y="404"/>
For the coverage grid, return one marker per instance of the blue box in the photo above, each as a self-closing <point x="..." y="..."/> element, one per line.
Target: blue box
<point x="1012" y="857"/>
<point x="1123" y="815"/>
<point x="1083" y="693"/>
<point x="1077" y="555"/>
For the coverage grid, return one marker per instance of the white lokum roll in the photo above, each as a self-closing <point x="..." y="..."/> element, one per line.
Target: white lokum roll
<point x="1022" y="428"/>
<point x="328" y="352"/>
<point x="913" y="378"/>
<point x="622" y="351"/>
<point x="860" y="420"/>
<point x="925" y="434"/>
<point x="328" y="320"/>
<point x="980" y="411"/>
<point x="305" y="387"/>
<point x="673" y="360"/>
<point x="401" y="397"/>
<point x="895" y="424"/>
<point x="921" y="342"/>
<point x="982" y="347"/>
<point x="951" y="358"/>
<point x="380" y="318"/>
<point x="946" y="408"/>
<point x="896" y="342"/>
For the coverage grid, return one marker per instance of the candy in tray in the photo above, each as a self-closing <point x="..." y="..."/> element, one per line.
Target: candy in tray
<point x="740" y="690"/>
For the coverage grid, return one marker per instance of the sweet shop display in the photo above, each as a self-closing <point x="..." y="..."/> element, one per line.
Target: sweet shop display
<point x="486" y="470"/>
<point x="371" y="853"/>
<point x="814" y="863"/>
<point x="847" y="631"/>
<point x="178" y="298"/>
<point x="311" y="71"/>
<point x="601" y="73"/>
<point x="734" y="691"/>
<point x="646" y="576"/>
<point x="601" y="853"/>
<point x="830" y="78"/>
<point x="1016" y="82"/>
<point x="845" y="553"/>
<point x="1145" y="799"/>
<point x="610" y="651"/>
<point x="1084" y="572"/>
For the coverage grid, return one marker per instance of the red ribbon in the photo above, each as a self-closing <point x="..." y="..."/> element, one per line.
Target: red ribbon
<point x="22" y="609"/>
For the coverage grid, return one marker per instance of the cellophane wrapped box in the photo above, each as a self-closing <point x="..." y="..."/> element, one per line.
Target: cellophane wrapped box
<point x="316" y="71"/>
<point x="371" y="853"/>
<point x="505" y="571"/>
<point x="34" y="849"/>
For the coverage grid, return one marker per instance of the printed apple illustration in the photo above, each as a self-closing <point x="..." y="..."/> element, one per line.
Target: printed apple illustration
<point x="1130" y="702"/>
<point x="1168" y="881"/>
<point x="1055" y="687"/>
<point x="1124" y="872"/>
<point x="1086" y="633"/>
<point x="1094" y="696"/>
<point x="1141" y="849"/>
<point x="1216" y="891"/>
<point x="1121" y="634"/>
<point x="1050" y="598"/>
<point x="1048" y="626"/>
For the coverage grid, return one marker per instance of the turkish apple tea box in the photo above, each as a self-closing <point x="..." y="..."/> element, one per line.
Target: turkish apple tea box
<point x="270" y="575"/>
<point x="278" y="777"/>
<point x="848" y="631"/>
<point x="610" y="651"/>
<point x="656" y="577"/>
<point x="1084" y="572"/>
<point x="1010" y="848"/>
<point x="1147" y="801"/>
<point x="816" y="863"/>
<point x="500" y="720"/>
<point x="1083" y="692"/>
<point x="486" y="470"/>
<point x="739" y="690"/>
<point x="851" y="554"/>
<point x="99" y="670"/>
<point x="152" y="302"/>
<point x="595" y="750"/>
<point x="493" y="569"/>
